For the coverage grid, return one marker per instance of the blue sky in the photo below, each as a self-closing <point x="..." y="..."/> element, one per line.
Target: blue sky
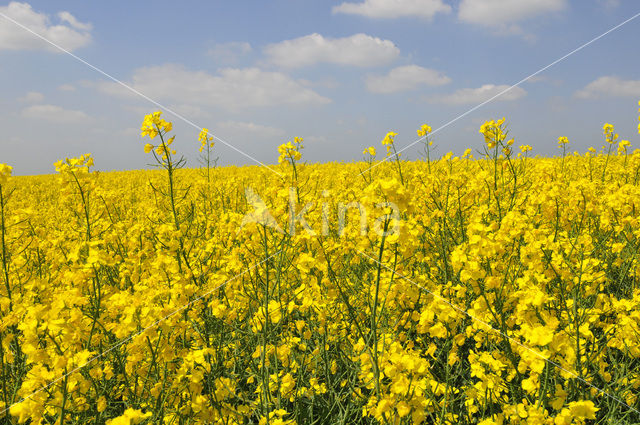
<point x="340" y="74"/>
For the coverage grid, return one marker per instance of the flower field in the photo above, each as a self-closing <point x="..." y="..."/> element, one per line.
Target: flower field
<point x="492" y="289"/>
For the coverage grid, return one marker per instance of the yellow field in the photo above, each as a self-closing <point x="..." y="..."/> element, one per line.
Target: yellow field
<point x="504" y="289"/>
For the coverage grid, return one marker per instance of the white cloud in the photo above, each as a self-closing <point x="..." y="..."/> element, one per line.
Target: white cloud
<point x="230" y="88"/>
<point x="13" y="37"/>
<point x="610" y="86"/>
<point x="231" y="52"/>
<point x="67" y="87"/>
<point x="54" y="113"/>
<point x="356" y="50"/>
<point x="488" y="12"/>
<point x="480" y="94"/>
<point x="32" y="97"/>
<point x="327" y="82"/>
<point x="394" y="8"/>
<point x="248" y="128"/>
<point x="405" y="78"/>
<point x="71" y="20"/>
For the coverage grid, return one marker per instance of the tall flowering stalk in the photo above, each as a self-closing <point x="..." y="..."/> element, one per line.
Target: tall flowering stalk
<point x="206" y="143"/>
<point x="154" y="126"/>
<point x="562" y="144"/>
<point x="498" y="147"/>
<point x="165" y="156"/>
<point x="495" y="133"/>
<point x="611" y="138"/>
<point x="389" y="143"/>
<point x="424" y="131"/>
<point x="369" y="157"/>
<point x="290" y="153"/>
<point x="523" y="154"/>
<point x="75" y="176"/>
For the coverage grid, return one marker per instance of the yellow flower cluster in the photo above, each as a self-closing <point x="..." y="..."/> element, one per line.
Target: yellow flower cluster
<point x="78" y="165"/>
<point x="205" y="139"/>
<point x="609" y="133"/>
<point x="475" y="291"/>
<point x="370" y="150"/>
<point x="5" y="173"/>
<point x="75" y="173"/>
<point x="493" y="132"/>
<point x="388" y="141"/>
<point x="424" y="130"/>
<point x="153" y="125"/>
<point x="290" y="151"/>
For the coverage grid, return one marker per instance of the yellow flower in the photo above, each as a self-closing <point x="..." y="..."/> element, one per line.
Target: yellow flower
<point x="130" y="417"/>
<point x="290" y="152"/>
<point x="609" y="133"/>
<point x="424" y="130"/>
<point x="5" y="173"/>
<point x="102" y="404"/>
<point x="152" y="125"/>
<point x="388" y="139"/>
<point x="370" y="150"/>
<point x="204" y="137"/>
<point x="583" y="409"/>
<point x="494" y="132"/>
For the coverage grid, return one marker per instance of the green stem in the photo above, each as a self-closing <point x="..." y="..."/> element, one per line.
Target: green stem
<point x="5" y="262"/>
<point x="4" y="378"/>
<point x="374" y="318"/>
<point x="398" y="163"/>
<point x="64" y="397"/>
<point x="265" y="330"/>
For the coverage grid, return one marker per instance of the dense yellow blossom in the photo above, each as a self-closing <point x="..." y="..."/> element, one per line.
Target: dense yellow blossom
<point x="459" y="290"/>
